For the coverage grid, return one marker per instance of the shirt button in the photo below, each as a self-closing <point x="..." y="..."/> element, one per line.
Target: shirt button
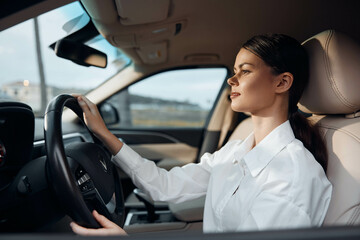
<point x="236" y="162"/>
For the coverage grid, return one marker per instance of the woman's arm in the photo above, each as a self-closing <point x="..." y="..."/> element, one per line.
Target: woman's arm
<point x="177" y="185"/>
<point x="180" y="183"/>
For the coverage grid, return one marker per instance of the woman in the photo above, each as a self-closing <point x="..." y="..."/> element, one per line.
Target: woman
<point x="273" y="179"/>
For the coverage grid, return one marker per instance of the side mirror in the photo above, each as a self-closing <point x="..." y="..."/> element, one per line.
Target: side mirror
<point x="80" y="53"/>
<point x="109" y="113"/>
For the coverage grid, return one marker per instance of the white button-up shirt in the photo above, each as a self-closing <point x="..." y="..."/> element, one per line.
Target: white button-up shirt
<point x="277" y="184"/>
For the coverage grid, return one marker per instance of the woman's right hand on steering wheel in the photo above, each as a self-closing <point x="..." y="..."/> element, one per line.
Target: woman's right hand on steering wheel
<point x="92" y="116"/>
<point x="96" y="124"/>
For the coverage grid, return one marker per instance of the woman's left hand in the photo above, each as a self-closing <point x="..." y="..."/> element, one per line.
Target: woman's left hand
<point x="109" y="228"/>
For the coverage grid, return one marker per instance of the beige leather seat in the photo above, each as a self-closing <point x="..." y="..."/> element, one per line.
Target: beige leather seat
<point x="333" y="96"/>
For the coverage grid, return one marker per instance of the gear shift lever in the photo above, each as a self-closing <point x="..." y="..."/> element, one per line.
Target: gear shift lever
<point x="149" y="205"/>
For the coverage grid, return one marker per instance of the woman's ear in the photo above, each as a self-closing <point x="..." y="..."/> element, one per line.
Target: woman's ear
<point x="284" y="82"/>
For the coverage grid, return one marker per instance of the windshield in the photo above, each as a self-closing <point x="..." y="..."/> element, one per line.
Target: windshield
<point x="33" y="74"/>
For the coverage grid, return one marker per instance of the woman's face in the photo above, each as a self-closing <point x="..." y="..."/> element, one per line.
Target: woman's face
<point x="253" y="84"/>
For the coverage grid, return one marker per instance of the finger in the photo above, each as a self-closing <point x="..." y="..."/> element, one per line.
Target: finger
<point x="106" y="223"/>
<point x="91" y="105"/>
<point x="85" y="99"/>
<point x="88" y="231"/>
<point x="79" y="229"/>
<point x="84" y="106"/>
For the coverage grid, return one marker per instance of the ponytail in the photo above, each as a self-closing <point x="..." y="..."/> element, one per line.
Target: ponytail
<point x="310" y="136"/>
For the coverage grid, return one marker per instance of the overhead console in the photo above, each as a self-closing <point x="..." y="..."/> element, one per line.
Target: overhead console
<point x="152" y="11"/>
<point x="146" y="30"/>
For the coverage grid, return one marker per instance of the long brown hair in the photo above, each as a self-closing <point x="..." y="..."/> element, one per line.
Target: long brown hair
<point x="284" y="54"/>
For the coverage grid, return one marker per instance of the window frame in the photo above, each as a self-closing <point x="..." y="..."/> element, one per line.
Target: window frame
<point x="211" y="111"/>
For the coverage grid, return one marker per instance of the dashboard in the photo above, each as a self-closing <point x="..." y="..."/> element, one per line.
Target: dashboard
<point x="26" y="198"/>
<point x="16" y="139"/>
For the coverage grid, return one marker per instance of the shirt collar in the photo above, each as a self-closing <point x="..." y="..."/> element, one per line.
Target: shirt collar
<point x="261" y="155"/>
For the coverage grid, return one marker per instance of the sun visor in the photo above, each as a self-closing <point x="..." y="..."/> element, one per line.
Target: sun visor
<point x="134" y="12"/>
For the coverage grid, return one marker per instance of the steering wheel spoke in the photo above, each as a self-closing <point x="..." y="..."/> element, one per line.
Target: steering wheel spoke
<point x="94" y="200"/>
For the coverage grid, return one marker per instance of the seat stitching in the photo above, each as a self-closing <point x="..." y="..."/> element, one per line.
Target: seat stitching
<point x="341" y="130"/>
<point x="354" y="215"/>
<point x="333" y="84"/>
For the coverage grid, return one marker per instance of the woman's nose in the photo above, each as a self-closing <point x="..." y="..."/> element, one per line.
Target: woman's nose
<point x="232" y="81"/>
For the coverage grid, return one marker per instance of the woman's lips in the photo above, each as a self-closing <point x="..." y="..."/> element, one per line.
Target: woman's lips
<point x="234" y="95"/>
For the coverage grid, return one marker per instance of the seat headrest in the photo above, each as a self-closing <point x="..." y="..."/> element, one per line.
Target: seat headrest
<point x="334" y="71"/>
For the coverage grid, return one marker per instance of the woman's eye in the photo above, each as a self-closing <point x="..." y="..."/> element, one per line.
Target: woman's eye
<point x="245" y="71"/>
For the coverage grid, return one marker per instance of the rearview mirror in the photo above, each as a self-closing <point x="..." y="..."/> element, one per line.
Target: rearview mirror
<point x="80" y="53"/>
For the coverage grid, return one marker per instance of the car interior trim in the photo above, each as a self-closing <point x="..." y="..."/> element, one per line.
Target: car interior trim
<point x="145" y="133"/>
<point x="65" y="136"/>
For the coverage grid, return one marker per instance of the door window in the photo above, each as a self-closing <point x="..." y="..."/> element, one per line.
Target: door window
<point x="172" y="99"/>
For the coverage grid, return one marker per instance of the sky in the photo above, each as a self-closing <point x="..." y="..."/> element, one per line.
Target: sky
<point x="18" y="53"/>
<point x="199" y="86"/>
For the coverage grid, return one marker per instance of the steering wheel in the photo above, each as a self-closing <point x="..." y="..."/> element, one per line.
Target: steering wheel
<point x="82" y="174"/>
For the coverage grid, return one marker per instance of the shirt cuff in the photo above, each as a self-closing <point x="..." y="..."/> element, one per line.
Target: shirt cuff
<point x="127" y="159"/>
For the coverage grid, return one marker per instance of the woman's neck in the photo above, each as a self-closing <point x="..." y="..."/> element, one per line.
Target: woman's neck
<point x="263" y="125"/>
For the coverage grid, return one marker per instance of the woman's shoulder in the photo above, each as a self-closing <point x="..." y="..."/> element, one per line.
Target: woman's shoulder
<point x="307" y="172"/>
<point x="302" y="157"/>
<point x="295" y="166"/>
<point x="311" y="186"/>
